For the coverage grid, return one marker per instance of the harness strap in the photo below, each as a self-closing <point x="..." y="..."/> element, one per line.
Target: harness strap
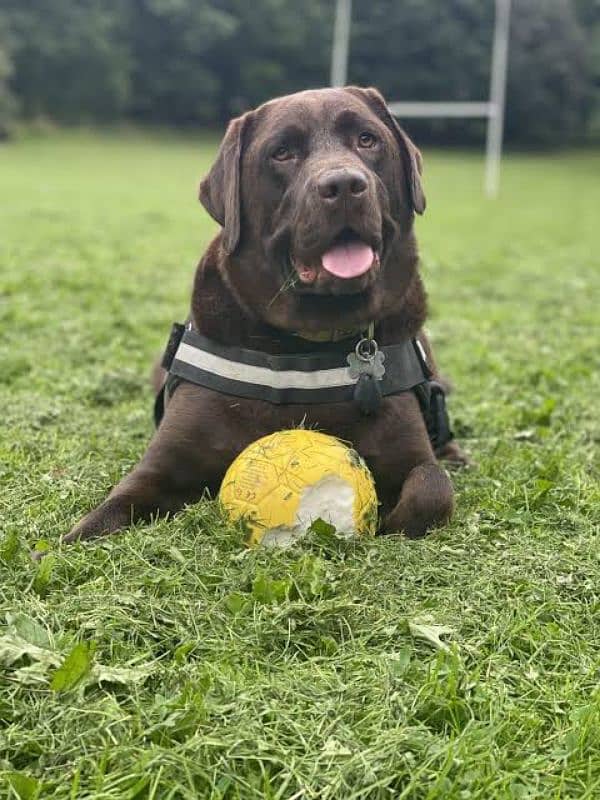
<point x="432" y="399"/>
<point x="306" y="379"/>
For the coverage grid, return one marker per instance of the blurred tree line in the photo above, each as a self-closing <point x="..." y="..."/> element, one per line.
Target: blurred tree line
<point x="190" y="62"/>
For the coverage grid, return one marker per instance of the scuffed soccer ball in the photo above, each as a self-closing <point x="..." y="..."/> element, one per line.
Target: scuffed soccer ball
<point x="282" y="483"/>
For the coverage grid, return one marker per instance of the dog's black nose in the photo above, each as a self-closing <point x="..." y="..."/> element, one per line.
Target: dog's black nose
<point x="335" y="184"/>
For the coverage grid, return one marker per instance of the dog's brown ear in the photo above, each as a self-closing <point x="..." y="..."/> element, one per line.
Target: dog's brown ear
<point x="411" y="155"/>
<point x="220" y="189"/>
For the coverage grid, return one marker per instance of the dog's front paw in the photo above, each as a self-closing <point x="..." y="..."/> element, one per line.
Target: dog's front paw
<point x="454" y="456"/>
<point x="426" y="502"/>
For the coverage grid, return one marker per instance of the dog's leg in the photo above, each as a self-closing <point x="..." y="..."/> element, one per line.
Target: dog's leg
<point x="178" y="466"/>
<point x="142" y="494"/>
<point x="426" y="501"/>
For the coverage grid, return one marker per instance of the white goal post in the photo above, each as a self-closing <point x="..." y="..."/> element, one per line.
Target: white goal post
<point x="492" y="109"/>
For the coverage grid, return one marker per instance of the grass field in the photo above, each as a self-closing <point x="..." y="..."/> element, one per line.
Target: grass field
<point x="171" y="663"/>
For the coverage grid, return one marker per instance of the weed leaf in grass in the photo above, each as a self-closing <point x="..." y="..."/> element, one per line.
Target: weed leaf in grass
<point x="11" y="544"/>
<point x="182" y="651"/>
<point x="324" y="538"/>
<point x="24" y="786"/>
<point x="76" y="666"/>
<point x="334" y="748"/>
<point x="322" y="529"/>
<point x="26" y="639"/>
<point x="268" y="590"/>
<point x="430" y="633"/>
<point x="310" y="576"/>
<point x="14" y="648"/>
<point x="124" y="676"/>
<point x="236" y="602"/>
<point x="43" y="576"/>
<point x="27" y="628"/>
<point x="35" y="674"/>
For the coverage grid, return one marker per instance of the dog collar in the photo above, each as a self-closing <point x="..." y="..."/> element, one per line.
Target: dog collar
<point x="336" y="335"/>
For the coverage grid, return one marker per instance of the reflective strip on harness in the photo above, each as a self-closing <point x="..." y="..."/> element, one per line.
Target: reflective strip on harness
<point x="262" y="376"/>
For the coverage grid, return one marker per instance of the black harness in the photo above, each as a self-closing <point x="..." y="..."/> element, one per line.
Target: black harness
<point x="362" y="376"/>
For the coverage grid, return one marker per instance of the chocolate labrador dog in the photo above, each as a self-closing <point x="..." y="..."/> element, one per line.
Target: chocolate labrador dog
<point x="311" y="283"/>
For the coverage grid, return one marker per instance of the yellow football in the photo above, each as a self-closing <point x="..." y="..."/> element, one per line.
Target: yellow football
<point x="282" y="483"/>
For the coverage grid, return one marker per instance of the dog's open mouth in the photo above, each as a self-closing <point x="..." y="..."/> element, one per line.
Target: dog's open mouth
<point x="347" y="258"/>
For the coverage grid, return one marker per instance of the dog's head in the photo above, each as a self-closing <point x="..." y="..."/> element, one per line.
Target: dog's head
<point x="316" y="193"/>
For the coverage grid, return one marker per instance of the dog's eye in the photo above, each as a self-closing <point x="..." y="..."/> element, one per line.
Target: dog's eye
<point x="282" y="153"/>
<point x="367" y="139"/>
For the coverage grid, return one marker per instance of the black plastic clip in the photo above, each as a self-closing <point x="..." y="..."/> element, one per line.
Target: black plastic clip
<point x="438" y="422"/>
<point x="175" y="338"/>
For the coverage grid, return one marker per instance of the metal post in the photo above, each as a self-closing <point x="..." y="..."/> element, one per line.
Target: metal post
<point x="341" y="43"/>
<point x="495" y="126"/>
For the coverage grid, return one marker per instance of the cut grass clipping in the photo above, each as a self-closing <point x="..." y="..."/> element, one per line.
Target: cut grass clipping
<point x="172" y="663"/>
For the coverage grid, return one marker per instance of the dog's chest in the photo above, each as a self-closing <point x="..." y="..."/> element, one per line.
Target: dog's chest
<point x="218" y="427"/>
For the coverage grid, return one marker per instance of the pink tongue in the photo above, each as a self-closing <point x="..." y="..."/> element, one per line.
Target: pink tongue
<point x="348" y="260"/>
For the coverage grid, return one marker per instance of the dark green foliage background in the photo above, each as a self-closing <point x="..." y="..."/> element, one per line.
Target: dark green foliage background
<point x="202" y="61"/>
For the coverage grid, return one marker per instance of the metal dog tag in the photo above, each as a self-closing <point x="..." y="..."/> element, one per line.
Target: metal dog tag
<point x="366" y="366"/>
<point x="367" y="359"/>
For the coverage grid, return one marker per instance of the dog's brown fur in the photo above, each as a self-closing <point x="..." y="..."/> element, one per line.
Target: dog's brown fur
<point x="274" y="219"/>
